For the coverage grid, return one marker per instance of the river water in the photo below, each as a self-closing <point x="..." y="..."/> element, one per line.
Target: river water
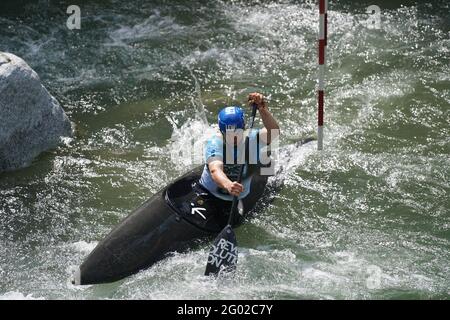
<point x="367" y="217"/>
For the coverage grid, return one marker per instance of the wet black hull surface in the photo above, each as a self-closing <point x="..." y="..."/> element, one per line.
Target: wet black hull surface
<point x="174" y="219"/>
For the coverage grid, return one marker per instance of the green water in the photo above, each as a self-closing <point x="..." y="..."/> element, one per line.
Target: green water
<point x="367" y="217"/>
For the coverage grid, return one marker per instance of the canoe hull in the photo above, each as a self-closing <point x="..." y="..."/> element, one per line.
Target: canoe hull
<point x="156" y="229"/>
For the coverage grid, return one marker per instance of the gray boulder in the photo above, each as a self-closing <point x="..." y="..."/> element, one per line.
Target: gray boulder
<point x="31" y="120"/>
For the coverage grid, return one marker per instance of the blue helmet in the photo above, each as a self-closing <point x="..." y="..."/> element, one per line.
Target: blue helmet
<point x="231" y="118"/>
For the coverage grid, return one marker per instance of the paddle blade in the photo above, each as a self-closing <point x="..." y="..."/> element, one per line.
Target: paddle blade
<point x="223" y="255"/>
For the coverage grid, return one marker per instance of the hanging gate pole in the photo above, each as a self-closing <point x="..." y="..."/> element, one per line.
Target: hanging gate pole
<point x="323" y="8"/>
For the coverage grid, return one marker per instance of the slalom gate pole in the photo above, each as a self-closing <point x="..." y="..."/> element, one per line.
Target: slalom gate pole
<point x="323" y="8"/>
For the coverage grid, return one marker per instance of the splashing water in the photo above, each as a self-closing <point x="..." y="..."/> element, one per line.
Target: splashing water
<point x="367" y="217"/>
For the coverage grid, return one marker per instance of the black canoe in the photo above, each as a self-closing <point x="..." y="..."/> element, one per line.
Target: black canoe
<point x="174" y="219"/>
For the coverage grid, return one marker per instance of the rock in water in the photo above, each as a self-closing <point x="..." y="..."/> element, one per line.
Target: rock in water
<point x="31" y="120"/>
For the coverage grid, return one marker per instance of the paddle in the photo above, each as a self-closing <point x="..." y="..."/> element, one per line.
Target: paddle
<point x="223" y="254"/>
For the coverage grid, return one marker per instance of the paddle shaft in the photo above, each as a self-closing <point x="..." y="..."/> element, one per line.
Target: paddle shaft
<point x="241" y="169"/>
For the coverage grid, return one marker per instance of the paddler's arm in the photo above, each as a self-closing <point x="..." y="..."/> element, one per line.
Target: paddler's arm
<point x="271" y="128"/>
<point x="221" y="179"/>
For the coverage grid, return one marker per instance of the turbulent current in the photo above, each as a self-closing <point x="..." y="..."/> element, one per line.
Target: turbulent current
<point x="367" y="217"/>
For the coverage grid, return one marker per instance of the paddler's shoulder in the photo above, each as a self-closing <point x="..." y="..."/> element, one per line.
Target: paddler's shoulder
<point x="252" y="133"/>
<point x="215" y="138"/>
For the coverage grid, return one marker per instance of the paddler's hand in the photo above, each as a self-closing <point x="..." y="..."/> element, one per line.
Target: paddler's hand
<point x="234" y="188"/>
<point x="258" y="99"/>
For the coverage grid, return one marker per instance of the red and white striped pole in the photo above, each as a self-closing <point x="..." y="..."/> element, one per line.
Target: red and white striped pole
<point x="323" y="8"/>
